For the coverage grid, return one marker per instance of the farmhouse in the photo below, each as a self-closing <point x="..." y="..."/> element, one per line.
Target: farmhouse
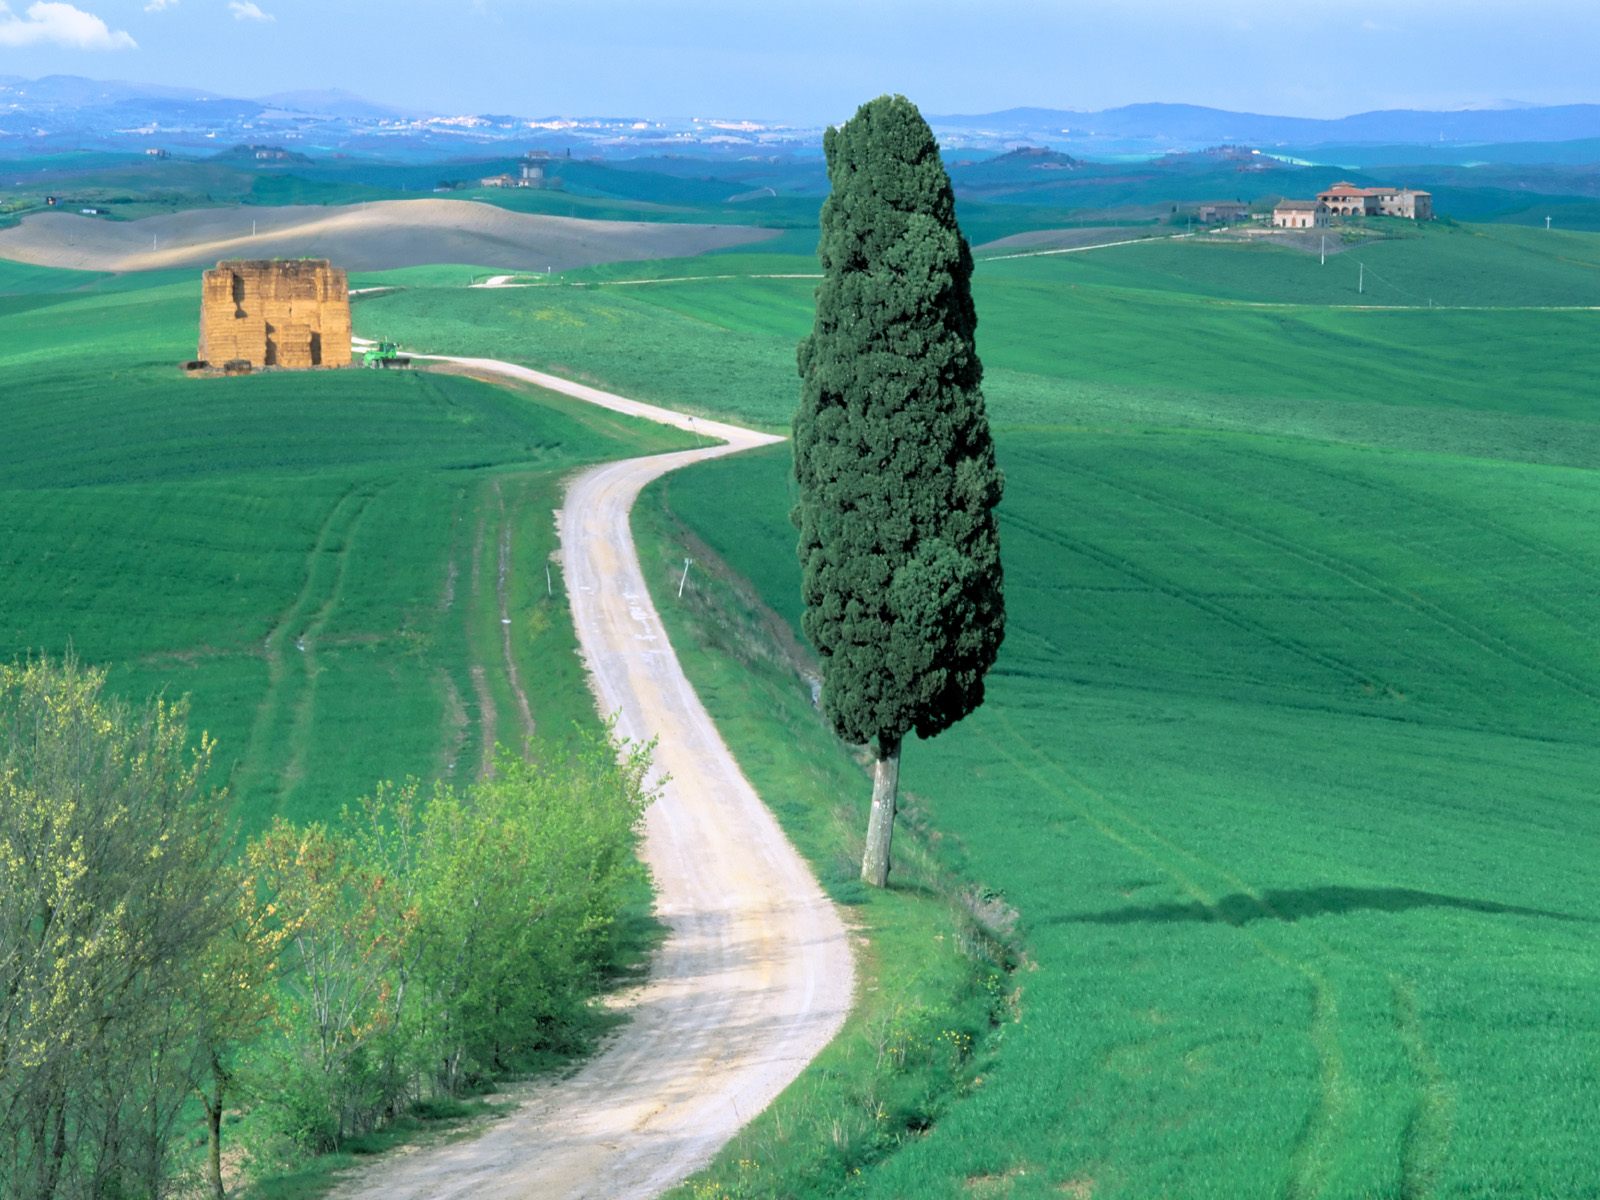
<point x="1299" y="214"/>
<point x="1348" y="200"/>
<point x="271" y="313"/>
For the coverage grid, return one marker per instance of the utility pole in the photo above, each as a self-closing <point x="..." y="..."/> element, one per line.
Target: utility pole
<point x="1324" y="249"/>
<point x="685" y="578"/>
<point x="1361" y="285"/>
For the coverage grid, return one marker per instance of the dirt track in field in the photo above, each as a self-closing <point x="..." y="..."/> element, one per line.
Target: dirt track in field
<point x="756" y="975"/>
<point x="376" y="236"/>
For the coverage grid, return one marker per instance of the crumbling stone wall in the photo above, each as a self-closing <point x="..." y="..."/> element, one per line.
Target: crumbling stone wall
<point x="276" y="314"/>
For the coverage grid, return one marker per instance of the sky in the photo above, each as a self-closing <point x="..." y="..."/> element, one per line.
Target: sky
<point x="813" y="62"/>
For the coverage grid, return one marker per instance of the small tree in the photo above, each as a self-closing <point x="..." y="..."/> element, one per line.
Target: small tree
<point x="899" y="549"/>
<point x="237" y="1007"/>
<point x="111" y="857"/>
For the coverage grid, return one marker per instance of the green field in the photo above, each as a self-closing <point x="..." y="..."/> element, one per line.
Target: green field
<point x="1288" y="766"/>
<point x="1289" y="763"/>
<point x="1185" y="331"/>
<point x="321" y="560"/>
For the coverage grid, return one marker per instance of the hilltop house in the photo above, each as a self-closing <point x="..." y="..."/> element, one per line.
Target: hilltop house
<point x="1348" y="200"/>
<point x="1299" y="214"/>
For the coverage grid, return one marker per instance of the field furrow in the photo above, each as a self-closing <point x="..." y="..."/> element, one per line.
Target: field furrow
<point x="265" y="775"/>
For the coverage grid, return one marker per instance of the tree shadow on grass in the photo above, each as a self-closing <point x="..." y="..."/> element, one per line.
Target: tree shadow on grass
<point x="1296" y="904"/>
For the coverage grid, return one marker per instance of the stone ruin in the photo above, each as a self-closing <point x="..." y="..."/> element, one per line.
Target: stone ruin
<point x="270" y="313"/>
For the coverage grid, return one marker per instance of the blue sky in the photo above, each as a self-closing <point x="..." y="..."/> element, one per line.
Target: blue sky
<point x="813" y="62"/>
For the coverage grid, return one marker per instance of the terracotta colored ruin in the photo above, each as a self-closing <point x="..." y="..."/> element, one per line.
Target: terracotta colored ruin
<point x="269" y="313"/>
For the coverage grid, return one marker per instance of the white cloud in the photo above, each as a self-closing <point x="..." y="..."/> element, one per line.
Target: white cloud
<point x="248" y="10"/>
<point x="52" y="24"/>
<point x="160" y="5"/>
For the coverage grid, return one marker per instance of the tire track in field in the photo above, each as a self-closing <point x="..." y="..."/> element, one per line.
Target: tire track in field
<point x="488" y="721"/>
<point x="1424" y="1138"/>
<point x="1430" y="1124"/>
<point x="488" y="713"/>
<point x="457" y="721"/>
<point x="453" y="726"/>
<point x="306" y="642"/>
<point x="1367" y="580"/>
<point x="252" y="770"/>
<point x="1325" y="1123"/>
<point x="502" y="574"/>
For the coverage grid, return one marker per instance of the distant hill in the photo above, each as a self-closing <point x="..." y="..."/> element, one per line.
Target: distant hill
<point x="61" y="113"/>
<point x="333" y="102"/>
<point x="1189" y="126"/>
<point x="74" y="91"/>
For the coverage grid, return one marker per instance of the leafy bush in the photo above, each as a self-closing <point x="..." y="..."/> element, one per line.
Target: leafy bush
<point x="435" y="942"/>
<point x="336" y="979"/>
<point x="112" y="890"/>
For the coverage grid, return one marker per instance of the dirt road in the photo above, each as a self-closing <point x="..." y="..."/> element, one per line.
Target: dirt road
<point x="756" y="975"/>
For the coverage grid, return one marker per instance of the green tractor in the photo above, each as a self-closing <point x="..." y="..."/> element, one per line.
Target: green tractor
<point x="384" y="354"/>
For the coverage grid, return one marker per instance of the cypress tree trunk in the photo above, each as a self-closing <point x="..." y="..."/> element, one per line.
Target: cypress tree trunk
<point x="880" y="825"/>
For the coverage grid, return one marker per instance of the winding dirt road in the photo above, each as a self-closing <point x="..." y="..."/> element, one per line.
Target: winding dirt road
<point x="756" y="974"/>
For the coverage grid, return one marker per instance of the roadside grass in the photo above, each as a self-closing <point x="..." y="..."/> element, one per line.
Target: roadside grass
<point x="932" y="959"/>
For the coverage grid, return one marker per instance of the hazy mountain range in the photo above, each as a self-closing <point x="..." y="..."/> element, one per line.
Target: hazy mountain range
<point x="64" y="112"/>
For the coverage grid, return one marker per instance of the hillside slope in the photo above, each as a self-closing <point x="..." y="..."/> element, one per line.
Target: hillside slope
<point x="365" y="237"/>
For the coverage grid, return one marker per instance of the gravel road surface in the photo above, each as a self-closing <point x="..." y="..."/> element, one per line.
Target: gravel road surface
<point x="756" y="975"/>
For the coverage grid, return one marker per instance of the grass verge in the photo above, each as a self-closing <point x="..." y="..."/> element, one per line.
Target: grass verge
<point x="932" y="953"/>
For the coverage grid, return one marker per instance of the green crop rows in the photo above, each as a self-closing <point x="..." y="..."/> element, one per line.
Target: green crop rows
<point x="1290" y="761"/>
<point x="319" y="559"/>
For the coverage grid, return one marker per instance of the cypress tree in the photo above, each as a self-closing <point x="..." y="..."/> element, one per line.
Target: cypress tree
<point x="899" y="551"/>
